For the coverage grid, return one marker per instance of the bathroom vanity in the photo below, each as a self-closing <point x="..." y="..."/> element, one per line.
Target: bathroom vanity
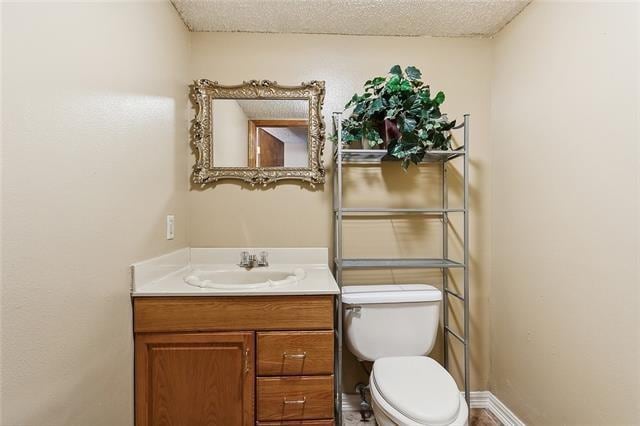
<point x="240" y="352"/>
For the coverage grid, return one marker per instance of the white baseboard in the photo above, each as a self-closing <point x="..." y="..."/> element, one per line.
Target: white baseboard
<point x="479" y="399"/>
<point x="488" y="401"/>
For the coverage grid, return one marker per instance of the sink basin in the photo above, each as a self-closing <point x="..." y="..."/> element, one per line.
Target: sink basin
<point x="244" y="279"/>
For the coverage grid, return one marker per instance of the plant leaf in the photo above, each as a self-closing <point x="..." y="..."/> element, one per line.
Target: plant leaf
<point x="352" y="101"/>
<point x="439" y="99"/>
<point x="376" y="105"/>
<point x="449" y="126"/>
<point x="413" y="73"/>
<point x="405" y="164"/>
<point x="409" y="124"/>
<point x="393" y="84"/>
<point x="410" y="139"/>
<point x="377" y="81"/>
<point x="373" y="137"/>
<point x="396" y="70"/>
<point x="359" y="108"/>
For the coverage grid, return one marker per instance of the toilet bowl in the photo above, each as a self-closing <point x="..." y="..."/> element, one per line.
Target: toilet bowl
<point x="395" y="326"/>
<point x="415" y="391"/>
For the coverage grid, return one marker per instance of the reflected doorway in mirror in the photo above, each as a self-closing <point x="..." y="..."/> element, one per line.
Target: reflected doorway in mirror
<point x="278" y="143"/>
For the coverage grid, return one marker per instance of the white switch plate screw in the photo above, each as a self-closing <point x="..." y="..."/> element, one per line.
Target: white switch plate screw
<point x="171" y="227"/>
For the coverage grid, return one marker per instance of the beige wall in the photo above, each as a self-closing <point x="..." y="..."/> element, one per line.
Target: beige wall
<point x="235" y="152"/>
<point x="288" y="215"/>
<point x="94" y="157"/>
<point x="88" y="89"/>
<point x="565" y="290"/>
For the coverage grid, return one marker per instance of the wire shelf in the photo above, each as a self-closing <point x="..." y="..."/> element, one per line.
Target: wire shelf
<point x="376" y="156"/>
<point x="361" y="211"/>
<point x="398" y="263"/>
<point x="343" y="156"/>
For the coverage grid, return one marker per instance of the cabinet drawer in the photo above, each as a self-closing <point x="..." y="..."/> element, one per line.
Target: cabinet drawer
<point x="295" y="398"/>
<point x="167" y="314"/>
<point x="325" y="422"/>
<point x="298" y="353"/>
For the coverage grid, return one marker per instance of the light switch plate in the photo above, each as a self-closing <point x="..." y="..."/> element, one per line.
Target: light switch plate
<point x="171" y="227"/>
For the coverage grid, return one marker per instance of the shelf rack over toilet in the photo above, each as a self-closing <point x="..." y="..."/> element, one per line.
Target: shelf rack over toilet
<point x="342" y="157"/>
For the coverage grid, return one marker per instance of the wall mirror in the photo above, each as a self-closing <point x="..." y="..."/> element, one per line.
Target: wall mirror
<point x="259" y="132"/>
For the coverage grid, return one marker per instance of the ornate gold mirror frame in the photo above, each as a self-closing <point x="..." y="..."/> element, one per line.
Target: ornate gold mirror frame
<point x="205" y="91"/>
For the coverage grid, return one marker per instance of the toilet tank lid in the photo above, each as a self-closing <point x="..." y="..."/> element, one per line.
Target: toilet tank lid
<point x="392" y="293"/>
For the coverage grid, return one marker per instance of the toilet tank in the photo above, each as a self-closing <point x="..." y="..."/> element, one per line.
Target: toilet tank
<point x="390" y="320"/>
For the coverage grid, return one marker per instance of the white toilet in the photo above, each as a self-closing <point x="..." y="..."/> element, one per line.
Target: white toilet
<point x="395" y="326"/>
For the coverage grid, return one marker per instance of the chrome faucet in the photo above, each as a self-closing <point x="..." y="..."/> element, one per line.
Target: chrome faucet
<point x="250" y="261"/>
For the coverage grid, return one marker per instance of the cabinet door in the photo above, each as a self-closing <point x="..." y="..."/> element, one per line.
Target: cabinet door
<point x="194" y="379"/>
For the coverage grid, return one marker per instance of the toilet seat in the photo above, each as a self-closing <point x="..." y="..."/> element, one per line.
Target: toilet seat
<point x="416" y="390"/>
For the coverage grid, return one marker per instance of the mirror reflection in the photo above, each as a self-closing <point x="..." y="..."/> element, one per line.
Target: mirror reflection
<point x="260" y="133"/>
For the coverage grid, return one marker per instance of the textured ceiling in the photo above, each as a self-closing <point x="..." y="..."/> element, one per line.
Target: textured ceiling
<point x="289" y="134"/>
<point x="270" y="109"/>
<point x="452" y="18"/>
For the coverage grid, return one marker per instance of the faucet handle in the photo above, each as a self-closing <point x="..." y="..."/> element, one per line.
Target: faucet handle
<point x="264" y="259"/>
<point x="244" y="258"/>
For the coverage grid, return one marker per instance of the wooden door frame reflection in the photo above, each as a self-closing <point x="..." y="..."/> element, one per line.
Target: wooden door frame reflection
<point x="253" y="129"/>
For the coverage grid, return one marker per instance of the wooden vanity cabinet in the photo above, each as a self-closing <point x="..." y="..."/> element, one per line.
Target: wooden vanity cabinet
<point x="194" y="378"/>
<point x="227" y="361"/>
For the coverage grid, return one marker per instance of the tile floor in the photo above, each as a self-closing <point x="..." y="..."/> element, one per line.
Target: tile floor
<point x="483" y="417"/>
<point x="479" y="417"/>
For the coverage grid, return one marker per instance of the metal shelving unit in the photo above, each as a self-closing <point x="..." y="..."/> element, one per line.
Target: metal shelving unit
<point x="356" y="157"/>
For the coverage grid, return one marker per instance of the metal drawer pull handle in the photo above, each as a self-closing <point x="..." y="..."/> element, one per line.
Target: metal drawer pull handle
<point x="295" y="401"/>
<point x="303" y="355"/>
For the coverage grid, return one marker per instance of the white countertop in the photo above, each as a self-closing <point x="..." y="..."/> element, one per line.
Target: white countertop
<point x="164" y="275"/>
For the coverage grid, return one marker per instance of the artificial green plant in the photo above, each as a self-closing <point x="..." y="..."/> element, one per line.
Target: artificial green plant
<point x="405" y="103"/>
